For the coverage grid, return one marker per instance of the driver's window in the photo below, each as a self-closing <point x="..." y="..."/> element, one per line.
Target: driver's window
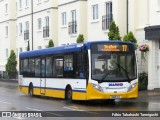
<point x="122" y="61"/>
<point x="112" y="63"/>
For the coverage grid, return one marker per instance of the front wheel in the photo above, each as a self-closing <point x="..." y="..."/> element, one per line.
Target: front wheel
<point x="69" y="94"/>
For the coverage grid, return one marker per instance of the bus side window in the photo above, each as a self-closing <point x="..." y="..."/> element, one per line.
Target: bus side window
<point x="49" y="67"/>
<point x="25" y="67"/>
<point x="80" y="73"/>
<point x="37" y="67"/>
<point x="31" y="68"/>
<point x="21" y="67"/>
<point x="58" y="67"/>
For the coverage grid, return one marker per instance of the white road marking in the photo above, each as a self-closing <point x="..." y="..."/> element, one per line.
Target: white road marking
<point x="44" y="111"/>
<point x="5" y="102"/>
<point x="20" y="118"/>
<point x="54" y="114"/>
<point x="72" y="108"/>
<point x="155" y="103"/>
<point x="33" y="109"/>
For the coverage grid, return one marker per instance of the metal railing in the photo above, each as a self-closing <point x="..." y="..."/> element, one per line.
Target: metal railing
<point x="106" y="20"/>
<point x="45" y="31"/>
<point x="26" y="35"/>
<point x="72" y="27"/>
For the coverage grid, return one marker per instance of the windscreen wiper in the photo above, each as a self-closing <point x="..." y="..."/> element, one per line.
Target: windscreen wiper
<point x="105" y="75"/>
<point x="126" y="73"/>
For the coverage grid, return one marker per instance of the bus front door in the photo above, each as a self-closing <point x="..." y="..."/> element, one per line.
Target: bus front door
<point x="43" y="75"/>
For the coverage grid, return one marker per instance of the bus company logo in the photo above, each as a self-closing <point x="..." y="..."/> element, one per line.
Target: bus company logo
<point x="115" y="84"/>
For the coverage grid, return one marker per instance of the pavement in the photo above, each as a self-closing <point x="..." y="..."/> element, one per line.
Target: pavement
<point x="154" y="92"/>
<point x="12" y="80"/>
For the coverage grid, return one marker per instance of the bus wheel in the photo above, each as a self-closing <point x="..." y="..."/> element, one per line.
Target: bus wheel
<point x="111" y="100"/>
<point x="69" y="94"/>
<point x="31" y="91"/>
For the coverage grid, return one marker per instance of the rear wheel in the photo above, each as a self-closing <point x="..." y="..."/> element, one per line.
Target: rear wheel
<point x="68" y="94"/>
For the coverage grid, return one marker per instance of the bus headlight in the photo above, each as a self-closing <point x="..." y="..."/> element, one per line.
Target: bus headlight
<point x="97" y="87"/>
<point x="132" y="87"/>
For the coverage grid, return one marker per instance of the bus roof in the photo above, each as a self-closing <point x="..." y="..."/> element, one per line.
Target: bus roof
<point x="64" y="48"/>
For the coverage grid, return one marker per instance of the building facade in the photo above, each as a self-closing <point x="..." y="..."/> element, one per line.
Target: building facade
<point x="101" y="13"/>
<point x="72" y="20"/>
<point x="8" y="30"/>
<point x="35" y="22"/>
<point x="152" y="34"/>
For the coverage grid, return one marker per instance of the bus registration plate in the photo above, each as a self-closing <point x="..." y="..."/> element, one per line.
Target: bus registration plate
<point x="115" y="97"/>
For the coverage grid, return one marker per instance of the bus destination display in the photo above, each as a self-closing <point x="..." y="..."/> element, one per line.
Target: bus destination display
<point x="113" y="48"/>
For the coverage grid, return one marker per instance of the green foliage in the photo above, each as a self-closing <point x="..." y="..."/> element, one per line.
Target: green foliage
<point x="50" y="44"/>
<point x="142" y="81"/>
<point x="11" y="65"/>
<point x="114" y="32"/>
<point x="130" y="38"/>
<point x="80" y="38"/>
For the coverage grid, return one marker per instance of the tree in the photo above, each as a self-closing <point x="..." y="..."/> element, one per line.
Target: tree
<point x="11" y="65"/>
<point x="114" y="32"/>
<point x="50" y="44"/>
<point x="80" y="38"/>
<point x="130" y="38"/>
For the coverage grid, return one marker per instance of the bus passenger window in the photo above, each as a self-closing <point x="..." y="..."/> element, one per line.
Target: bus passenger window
<point x="21" y="67"/>
<point x="31" y="67"/>
<point x="68" y="63"/>
<point x="49" y="67"/>
<point x="37" y="67"/>
<point x="43" y="68"/>
<point x="25" y="67"/>
<point x="58" y="67"/>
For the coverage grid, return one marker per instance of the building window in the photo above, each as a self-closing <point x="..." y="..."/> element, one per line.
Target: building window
<point x="20" y="4"/>
<point x="95" y="12"/>
<point x="38" y="1"/>
<point x="39" y="23"/>
<point x="27" y="25"/>
<point x="26" y="32"/>
<point x="6" y="8"/>
<point x="27" y="3"/>
<point x="107" y="18"/>
<point x="64" y="19"/>
<point x="20" y="28"/>
<point x="16" y="52"/>
<point x="72" y="26"/>
<point x="20" y="50"/>
<point x="16" y="6"/>
<point x="6" y="29"/>
<point x="39" y="47"/>
<point x="73" y="12"/>
<point x="6" y="53"/>
<point x="47" y="20"/>
<point x="46" y="28"/>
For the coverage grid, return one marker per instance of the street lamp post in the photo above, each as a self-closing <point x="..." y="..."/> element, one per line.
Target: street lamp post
<point x="32" y="20"/>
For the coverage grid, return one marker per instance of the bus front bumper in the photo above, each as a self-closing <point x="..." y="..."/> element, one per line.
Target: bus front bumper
<point x="93" y="94"/>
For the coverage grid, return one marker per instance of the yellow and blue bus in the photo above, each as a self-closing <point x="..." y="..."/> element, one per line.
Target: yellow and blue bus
<point x="94" y="70"/>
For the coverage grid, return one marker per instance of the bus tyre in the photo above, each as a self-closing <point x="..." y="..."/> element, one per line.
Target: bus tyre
<point x="69" y="94"/>
<point x="31" y="91"/>
<point x="111" y="100"/>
